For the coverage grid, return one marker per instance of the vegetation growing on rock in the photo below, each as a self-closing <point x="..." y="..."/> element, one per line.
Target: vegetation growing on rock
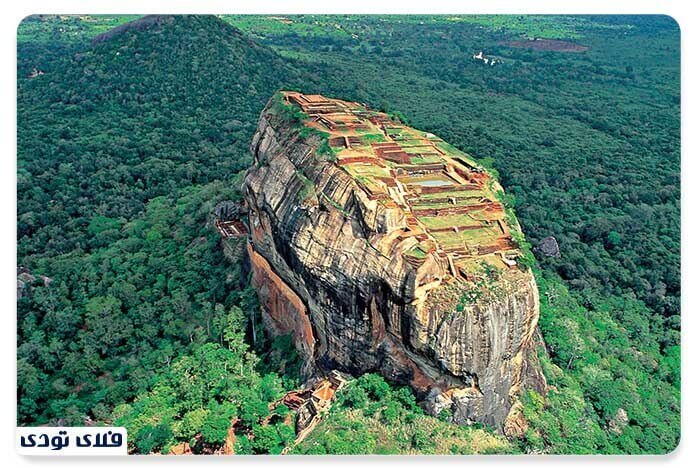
<point x="371" y="416"/>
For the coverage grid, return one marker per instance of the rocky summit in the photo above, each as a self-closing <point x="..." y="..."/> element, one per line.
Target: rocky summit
<point x="382" y="248"/>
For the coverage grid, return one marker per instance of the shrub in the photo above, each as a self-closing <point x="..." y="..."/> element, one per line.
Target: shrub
<point x="271" y="438"/>
<point x="252" y="410"/>
<point x="354" y="396"/>
<point x="152" y="438"/>
<point x="217" y="423"/>
<point x="281" y="410"/>
<point x="391" y="412"/>
<point x="191" y="424"/>
<point x="445" y="415"/>
<point x="375" y="386"/>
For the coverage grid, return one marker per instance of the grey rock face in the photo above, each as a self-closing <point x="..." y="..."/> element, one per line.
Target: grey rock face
<point x="227" y="209"/>
<point x="548" y="246"/>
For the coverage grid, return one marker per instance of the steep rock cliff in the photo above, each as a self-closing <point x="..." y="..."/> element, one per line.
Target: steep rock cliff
<point x="381" y="270"/>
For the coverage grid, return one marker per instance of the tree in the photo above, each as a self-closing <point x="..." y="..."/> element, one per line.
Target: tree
<point x="152" y="438"/>
<point x="217" y="423"/>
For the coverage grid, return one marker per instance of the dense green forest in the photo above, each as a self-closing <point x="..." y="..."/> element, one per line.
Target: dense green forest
<point x="125" y="145"/>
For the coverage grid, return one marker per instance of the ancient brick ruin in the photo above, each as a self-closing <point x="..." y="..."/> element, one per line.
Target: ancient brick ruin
<point x="451" y="206"/>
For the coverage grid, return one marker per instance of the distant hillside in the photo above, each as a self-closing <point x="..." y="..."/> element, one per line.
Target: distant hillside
<point x="181" y="98"/>
<point x="153" y="22"/>
<point x="121" y="145"/>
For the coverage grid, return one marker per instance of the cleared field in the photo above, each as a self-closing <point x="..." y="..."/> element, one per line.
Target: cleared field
<point x="368" y="170"/>
<point x="369" y="138"/>
<point x="460" y="193"/>
<point x="416" y="252"/>
<point x="437" y="222"/>
<point x="459" y="201"/>
<point x="429" y="180"/>
<point x="425" y="159"/>
<point x="469" y="237"/>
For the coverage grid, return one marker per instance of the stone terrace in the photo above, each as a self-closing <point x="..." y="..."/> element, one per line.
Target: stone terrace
<point x="449" y="201"/>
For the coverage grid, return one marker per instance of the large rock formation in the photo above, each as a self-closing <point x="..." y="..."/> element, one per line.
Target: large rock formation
<point x="383" y="249"/>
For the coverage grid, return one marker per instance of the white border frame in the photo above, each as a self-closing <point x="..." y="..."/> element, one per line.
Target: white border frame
<point x="12" y="14"/>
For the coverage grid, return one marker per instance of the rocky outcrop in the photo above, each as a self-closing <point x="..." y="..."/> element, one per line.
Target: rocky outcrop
<point x="329" y="265"/>
<point x="548" y="246"/>
<point x="618" y="423"/>
<point x="26" y="281"/>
